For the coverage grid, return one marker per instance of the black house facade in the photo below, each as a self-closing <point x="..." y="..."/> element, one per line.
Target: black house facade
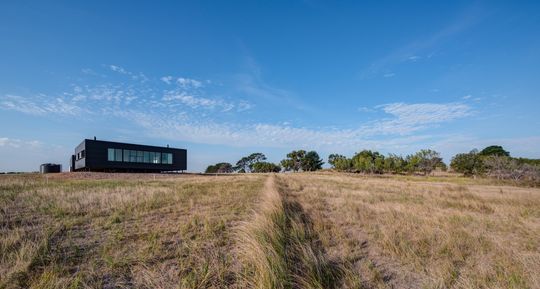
<point x="107" y="156"/>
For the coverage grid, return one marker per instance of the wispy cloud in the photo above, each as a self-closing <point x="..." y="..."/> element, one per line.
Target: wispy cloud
<point x="365" y="109"/>
<point x="252" y="84"/>
<point x="189" y="83"/>
<point x="99" y="98"/>
<point x="201" y="102"/>
<point x="139" y="76"/>
<point x="17" y="143"/>
<point x="405" y="119"/>
<point x="413" y="50"/>
<point x="167" y="79"/>
<point x="185" y="112"/>
<point x="39" y="104"/>
<point x="118" y="69"/>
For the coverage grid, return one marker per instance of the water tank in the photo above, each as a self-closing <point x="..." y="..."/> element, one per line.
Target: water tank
<point x="50" y="168"/>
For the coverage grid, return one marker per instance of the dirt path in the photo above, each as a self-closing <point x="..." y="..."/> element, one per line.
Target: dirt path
<point x="280" y="247"/>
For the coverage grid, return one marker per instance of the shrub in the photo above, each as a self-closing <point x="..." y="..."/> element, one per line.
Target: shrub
<point x="469" y="164"/>
<point x="219" y="168"/>
<point x="265" y="167"/>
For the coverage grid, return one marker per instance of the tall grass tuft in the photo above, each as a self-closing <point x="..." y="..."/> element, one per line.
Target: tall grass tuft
<point x="280" y="249"/>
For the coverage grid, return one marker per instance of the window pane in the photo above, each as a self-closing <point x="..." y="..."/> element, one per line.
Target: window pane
<point x="157" y="158"/>
<point x="147" y="157"/>
<point x="126" y="156"/>
<point x="132" y="156"/>
<point x="110" y="155"/>
<point x="118" y="155"/>
<point x="169" y="159"/>
<point x="139" y="156"/>
<point x="164" y="158"/>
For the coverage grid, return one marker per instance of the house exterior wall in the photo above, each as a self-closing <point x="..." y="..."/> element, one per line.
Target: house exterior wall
<point x="92" y="155"/>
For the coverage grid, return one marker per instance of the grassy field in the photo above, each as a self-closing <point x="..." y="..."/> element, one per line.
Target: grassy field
<point x="318" y="230"/>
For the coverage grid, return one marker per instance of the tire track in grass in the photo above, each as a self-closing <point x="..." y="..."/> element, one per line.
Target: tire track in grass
<point x="280" y="248"/>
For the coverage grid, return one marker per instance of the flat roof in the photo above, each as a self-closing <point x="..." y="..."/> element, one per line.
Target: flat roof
<point x="125" y="143"/>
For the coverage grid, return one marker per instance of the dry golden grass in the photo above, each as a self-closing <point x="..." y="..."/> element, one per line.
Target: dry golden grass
<point x="123" y="231"/>
<point x="318" y="230"/>
<point x="398" y="233"/>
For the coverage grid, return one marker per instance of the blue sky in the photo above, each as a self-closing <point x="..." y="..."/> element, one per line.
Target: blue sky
<point x="228" y="78"/>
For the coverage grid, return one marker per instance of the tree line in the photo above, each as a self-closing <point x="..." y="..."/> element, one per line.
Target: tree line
<point x="297" y="160"/>
<point x="373" y="162"/>
<point x="492" y="161"/>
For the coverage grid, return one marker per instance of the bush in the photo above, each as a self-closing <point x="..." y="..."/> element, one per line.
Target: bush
<point x="469" y="164"/>
<point x="219" y="168"/>
<point x="302" y="160"/>
<point x="265" y="167"/>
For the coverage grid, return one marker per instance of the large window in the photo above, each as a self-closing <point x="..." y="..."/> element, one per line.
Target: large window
<point x="110" y="155"/>
<point x="157" y="158"/>
<point x="118" y="155"/>
<point x="166" y="158"/>
<point x="133" y="156"/>
<point x="126" y="156"/>
<point x="114" y="155"/>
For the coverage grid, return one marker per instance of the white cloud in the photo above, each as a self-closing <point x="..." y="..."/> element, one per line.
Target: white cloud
<point x="466" y="96"/>
<point x="189" y="83"/>
<point x="425" y="113"/>
<point x="195" y="102"/>
<point x="135" y="76"/>
<point x="17" y="143"/>
<point x="407" y="118"/>
<point x="188" y="113"/>
<point x="118" y="69"/>
<point x="365" y="109"/>
<point x="39" y="105"/>
<point x="387" y="75"/>
<point x="191" y="101"/>
<point x="167" y="79"/>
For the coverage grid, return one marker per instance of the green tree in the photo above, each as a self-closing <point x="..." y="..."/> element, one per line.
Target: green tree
<point x="412" y="163"/>
<point x="245" y="164"/>
<point x="367" y="161"/>
<point x="220" y="168"/>
<point x="428" y="160"/>
<point x="293" y="162"/>
<point x="311" y="162"/>
<point x="394" y="164"/>
<point x="469" y="164"/>
<point x="494" y="150"/>
<point x="378" y="164"/>
<point x="332" y="158"/>
<point x="242" y="165"/>
<point x="343" y="164"/>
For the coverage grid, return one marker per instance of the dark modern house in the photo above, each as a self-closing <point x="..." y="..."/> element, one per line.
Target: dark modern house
<point x="107" y="156"/>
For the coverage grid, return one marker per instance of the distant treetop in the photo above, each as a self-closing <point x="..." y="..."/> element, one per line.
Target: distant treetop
<point x="494" y="151"/>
